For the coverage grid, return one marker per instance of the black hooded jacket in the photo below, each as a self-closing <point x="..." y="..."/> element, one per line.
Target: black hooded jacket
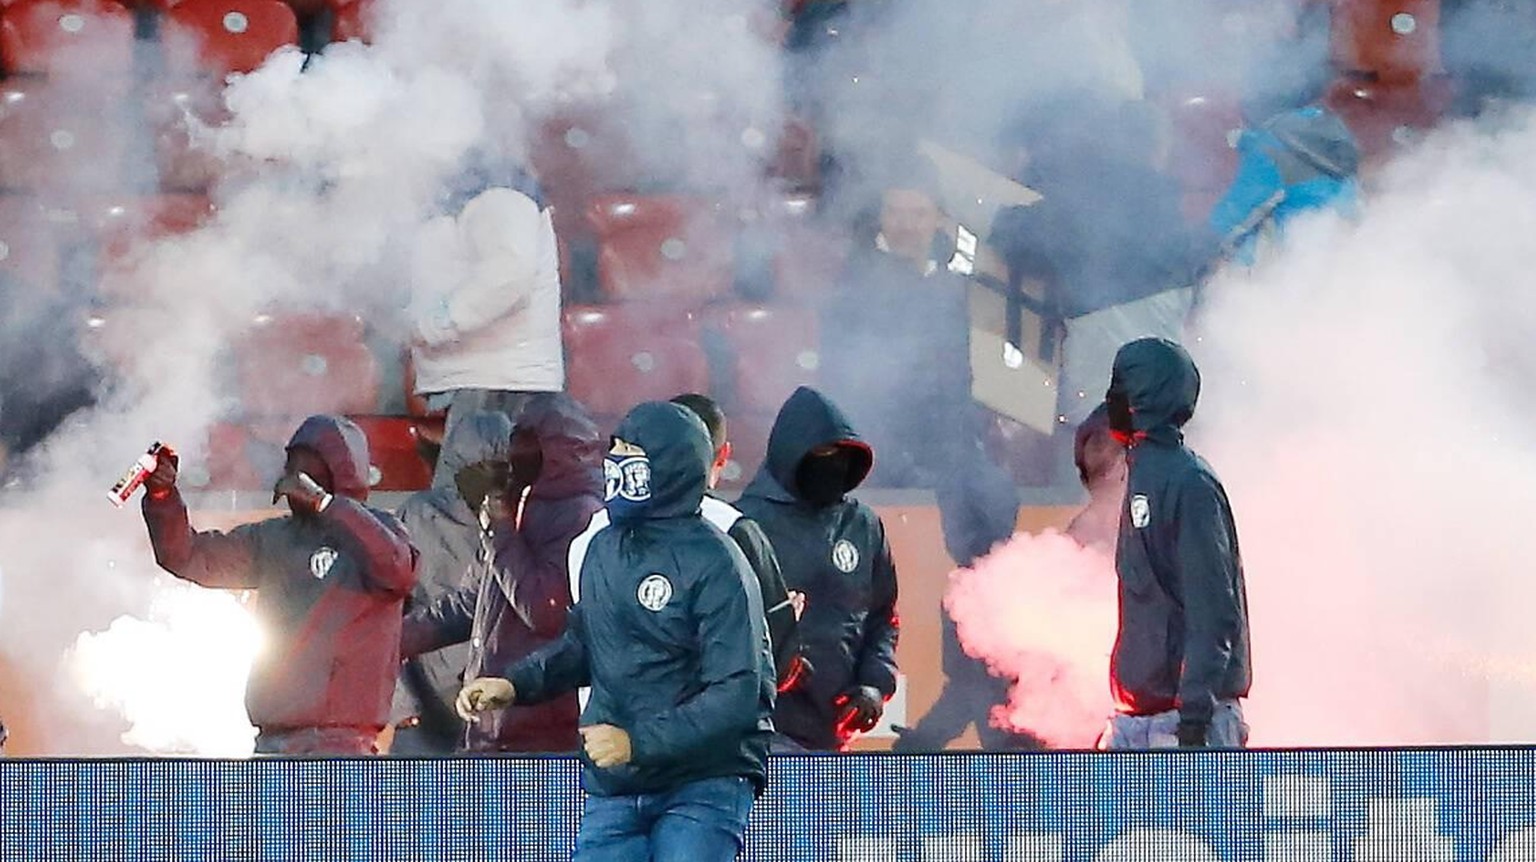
<point x="330" y="590"/>
<point x="1183" y="639"/>
<point x="839" y="557"/>
<point x="519" y="602"/>
<point x="448" y="535"/>
<point x="668" y="630"/>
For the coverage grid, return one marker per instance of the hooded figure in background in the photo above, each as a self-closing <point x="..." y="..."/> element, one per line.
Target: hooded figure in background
<point x="520" y="595"/>
<point x="669" y="634"/>
<point x="834" y="550"/>
<point x="1101" y="466"/>
<point x="444" y="523"/>
<point x="1298" y="162"/>
<point x="1181" y="662"/>
<point x="332" y="580"/>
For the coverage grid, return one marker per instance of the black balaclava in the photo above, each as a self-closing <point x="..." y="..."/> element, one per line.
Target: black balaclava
<point x="823" y="479"/>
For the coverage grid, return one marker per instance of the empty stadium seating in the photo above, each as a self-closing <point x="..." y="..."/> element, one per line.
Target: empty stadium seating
<point x="55" y="140"/>
<point x="68" y="37"/>
<point x="296" y="365"/>
<point x="118" y="222"/>
<point x="771" y="349"/>
<point x="1385" y="117"/>
<point x="1203" y="128"/>
<point x="352" y="19"/>
<point x="616" y="358"/>
<point x="228" y="36"/>
<point x="666" y="248"/>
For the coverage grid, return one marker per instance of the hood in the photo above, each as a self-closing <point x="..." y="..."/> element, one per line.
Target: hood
<point x="1318" y="138"/>
<point x="677" y="445"/>
<point x="570" y="443"/>
<point x="1160" y="382"/>
<point x="807" y="420"/>
<point x="344" y="448"/>
<point x="485" y="435"/>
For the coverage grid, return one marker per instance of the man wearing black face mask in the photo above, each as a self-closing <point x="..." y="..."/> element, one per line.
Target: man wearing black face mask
<point x="536" y="505"/>
<point x="333" y="579"/>
<point x="833" y="549"/>
<point x="1181" y="663"/>
<point x="444" y="522"/>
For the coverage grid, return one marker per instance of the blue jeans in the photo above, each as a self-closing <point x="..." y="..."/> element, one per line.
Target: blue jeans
<point x="705" y="821"/>
<point x="1146" y="732"/>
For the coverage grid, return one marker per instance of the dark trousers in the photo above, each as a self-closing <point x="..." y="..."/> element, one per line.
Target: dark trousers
<point x="703" y="821"/>
<point x="318" y="741"/>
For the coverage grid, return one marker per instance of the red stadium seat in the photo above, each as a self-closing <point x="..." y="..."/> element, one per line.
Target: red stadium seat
<point x="173" y="110"/>
<point x="579" y="154"/>
<point x="296" y="365"/>
<point x="63" y="36"/>
<point x="1386" y="117"/>
<point x="811" y="254"/>
<point x="395" y="461"/>
<point x="1389" y="40"/>
<point x="617" y="358"/>
<point x="352" y="19"/>
<point x="53" y="140"/>
<point x="28" y="246"/>
<point x="773" y="349"/>
<point x="121" y="222"/>
<point x="665" y="247"/>
<point x="229" y="36"/>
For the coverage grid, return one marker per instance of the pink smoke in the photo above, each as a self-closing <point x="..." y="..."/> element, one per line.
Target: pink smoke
<point x="1040" y="609"/>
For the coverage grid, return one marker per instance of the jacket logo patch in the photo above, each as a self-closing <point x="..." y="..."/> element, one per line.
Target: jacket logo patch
<point x="629" y="479"/>
<point x="654" y="593"/>
<point x="1141" y="511"/>
<point x="320" y="562"/>
<point x="845" y="556"/>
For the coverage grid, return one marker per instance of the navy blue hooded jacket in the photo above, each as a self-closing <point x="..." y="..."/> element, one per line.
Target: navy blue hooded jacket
<point x="1183" y="638"/>
<point x="668" y="630"/>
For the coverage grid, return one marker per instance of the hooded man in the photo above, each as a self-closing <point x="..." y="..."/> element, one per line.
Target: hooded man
<point x="668" y="632"/>
<point x="332" y="580"/>
<point x="1180" y="665"/>
<point x="834" y="550"/>
<point x="518" y="602"/>
<point x="444" y="523"/>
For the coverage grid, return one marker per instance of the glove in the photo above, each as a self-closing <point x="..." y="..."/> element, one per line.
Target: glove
<point x="302" y="492"/>
<point x="1193" y="734"/>
<point x="159" y="484"/>
<point x="859" y="709"/>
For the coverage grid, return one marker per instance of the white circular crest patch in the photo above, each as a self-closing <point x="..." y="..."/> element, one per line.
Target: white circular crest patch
<point x="654" y="593"/>
<point x="320" y="562"/>
<point x="1141" y="511"/>
<point x="845" y="556"/>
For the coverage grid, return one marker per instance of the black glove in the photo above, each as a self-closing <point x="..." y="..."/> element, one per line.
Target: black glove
<point x="301" y="491"/>
<point x="1193" y="734"/>
<point x="4" y="734"/>
<point x="159" y="484"/>
<point x="859" y="708"/>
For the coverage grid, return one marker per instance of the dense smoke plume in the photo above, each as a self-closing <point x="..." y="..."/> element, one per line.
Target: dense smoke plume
<point x="1367" y="402"/>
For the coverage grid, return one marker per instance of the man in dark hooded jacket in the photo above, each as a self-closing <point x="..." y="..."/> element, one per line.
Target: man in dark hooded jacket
<point x="444" y="524"/>
<point x="668" y="632"/>
<point x="518" y="603"/>
<point x="332" y="577"/>
<point x="834" y="550"/>
<point x="1181" y="661"/>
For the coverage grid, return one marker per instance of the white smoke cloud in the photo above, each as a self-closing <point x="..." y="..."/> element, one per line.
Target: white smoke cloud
<point x="332" y="169"/>
<point x="1367" y="404"/>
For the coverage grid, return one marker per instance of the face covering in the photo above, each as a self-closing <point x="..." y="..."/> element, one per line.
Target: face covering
<point x="823" y="479"/>
<point x="527" y="459"/>
<point x="1120" y="422"/>
<point x="478" y="481"/>
<point x="626" y="485"/>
